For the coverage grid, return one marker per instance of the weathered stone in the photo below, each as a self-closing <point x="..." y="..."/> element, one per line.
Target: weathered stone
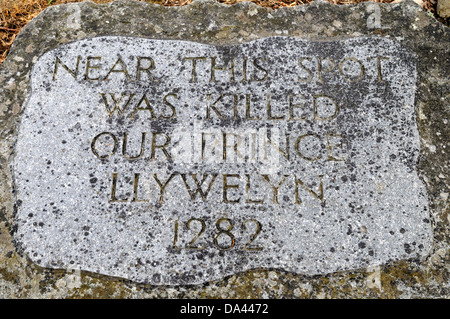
<point x="363" y="180"/>
<point x="443" y="8"/>
<point x="219" y="159"/>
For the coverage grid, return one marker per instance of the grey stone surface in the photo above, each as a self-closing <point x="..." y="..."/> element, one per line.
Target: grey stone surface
<point x="409" y="113"/>
<point x="443" y="8"/>
<point x="306" y="153"/>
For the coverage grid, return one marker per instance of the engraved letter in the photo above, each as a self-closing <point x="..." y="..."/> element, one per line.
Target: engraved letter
<point x="162" y="147"/>
<point x="346" y="69"/>
<point x="208" y="107"/>
<point x="259" y="67"/>
<point x="226" y="186"/>
<point x="320" y="67"/>
<point x="379" y="73"/>
<point x="212" y="146"/>
<point x="247" y="192"/>
<point x="162" y="186"/>
<point x="73" y="73"/>
<point x="194" y="67"/>
<point x="318" y="195"/>
<point x="116" y="102"/>
<point x="170" y="105"/>
<point x="94" y="142"/>
<point x="147" y="108"/>
<point x="123" y="69"/>
<point x="274" y="188"/>
<point x="248" y="108"/>
<point x="113" y="190"/>
<point x="269" y="110"/>
<point x="135" y="190"/>
<point x="198" y="190"/>
<point x="124" y="147"/>
<point x="300" y="153"/>
<point x="331" y="145"/>
<point x="89" y="67"/>
<point x="310" y="74"/>
<point x="293" y="106"/>
<point x="214" y="68"/>
<point x="325" y="108"/>
<point x="237" y="142"/>
<point x="142" y="69"/>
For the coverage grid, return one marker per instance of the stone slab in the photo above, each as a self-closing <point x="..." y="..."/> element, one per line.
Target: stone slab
<point x="362" y="102"/>
<point x="305" y="153"/>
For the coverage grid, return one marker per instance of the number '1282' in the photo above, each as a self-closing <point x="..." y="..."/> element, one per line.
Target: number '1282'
<point x="224" y="236"/>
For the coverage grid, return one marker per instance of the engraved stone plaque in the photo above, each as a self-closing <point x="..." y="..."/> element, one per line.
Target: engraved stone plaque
<point x="175" y="162"/>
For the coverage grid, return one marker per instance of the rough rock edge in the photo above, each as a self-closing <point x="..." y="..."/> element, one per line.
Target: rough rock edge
<point x="443" y="8"/>
<point x="428" y="278"/>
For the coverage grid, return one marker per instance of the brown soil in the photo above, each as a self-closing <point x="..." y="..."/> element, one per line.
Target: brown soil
<point x="15" y="14"/>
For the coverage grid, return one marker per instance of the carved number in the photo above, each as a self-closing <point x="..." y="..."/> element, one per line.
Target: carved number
<point x="224" y="227"/>
<point x="225" y="232"/>
<point x="191" y="243"/>
<point x="258" y="230"/>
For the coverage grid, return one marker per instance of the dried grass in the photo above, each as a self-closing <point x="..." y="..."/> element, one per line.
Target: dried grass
<point x="15" y="14"/>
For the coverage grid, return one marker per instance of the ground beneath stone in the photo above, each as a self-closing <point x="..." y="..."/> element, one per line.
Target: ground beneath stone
<point x="15" y="14"/>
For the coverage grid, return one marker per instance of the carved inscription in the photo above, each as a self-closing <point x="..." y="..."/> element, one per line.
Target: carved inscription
<point x="173" y="162"/>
